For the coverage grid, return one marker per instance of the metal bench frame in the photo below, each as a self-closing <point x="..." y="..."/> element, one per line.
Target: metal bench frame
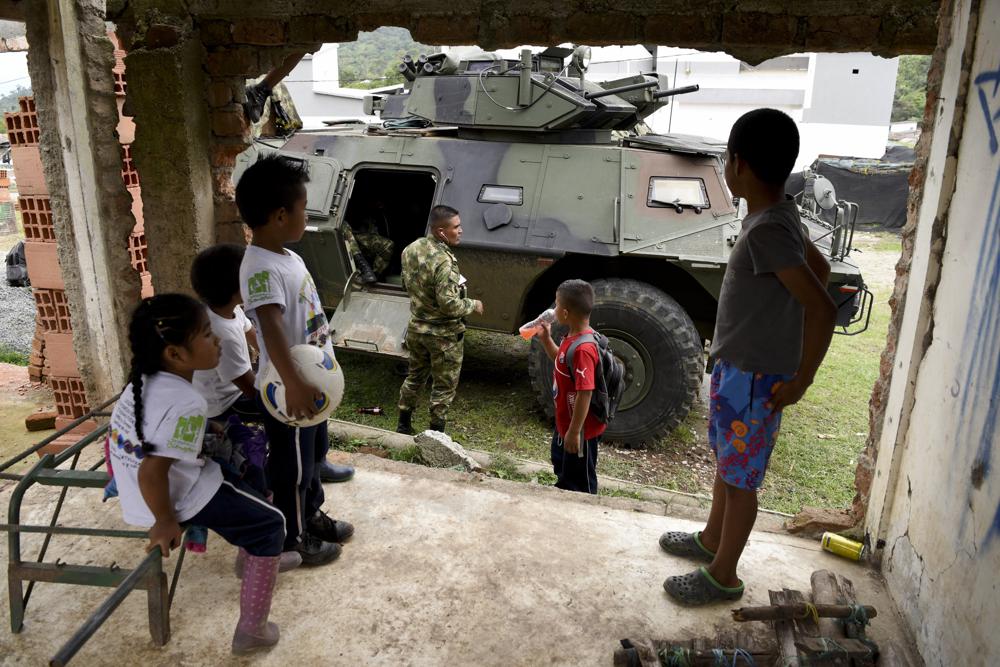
<point x="148" y="575"/>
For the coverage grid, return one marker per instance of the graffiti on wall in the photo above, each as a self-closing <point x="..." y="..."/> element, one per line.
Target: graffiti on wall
<point x="979" y="419"/>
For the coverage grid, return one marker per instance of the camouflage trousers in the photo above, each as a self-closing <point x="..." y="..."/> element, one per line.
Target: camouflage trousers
<point x="437" y="357"/>
<point x="376" y="248"/>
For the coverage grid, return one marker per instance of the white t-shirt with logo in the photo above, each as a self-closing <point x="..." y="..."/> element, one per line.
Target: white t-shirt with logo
<point x="173" y="420"/>
<point x="216" y="385"/>
<point x="267" y="277"/>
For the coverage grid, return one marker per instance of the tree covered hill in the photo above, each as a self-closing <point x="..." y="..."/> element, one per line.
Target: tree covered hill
<point x="370" y="62"/>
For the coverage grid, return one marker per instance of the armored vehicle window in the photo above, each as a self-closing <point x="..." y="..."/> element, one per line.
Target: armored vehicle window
<point x="502" y="194"/>
<point x="677" y="192"/>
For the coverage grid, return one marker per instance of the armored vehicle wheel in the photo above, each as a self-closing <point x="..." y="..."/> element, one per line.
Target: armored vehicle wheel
<point x="661" y="350"/>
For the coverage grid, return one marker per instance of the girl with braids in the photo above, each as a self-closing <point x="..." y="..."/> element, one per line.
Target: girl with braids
<point x="164" y="482"/>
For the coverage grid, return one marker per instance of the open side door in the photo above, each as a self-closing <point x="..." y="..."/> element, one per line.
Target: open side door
<point x="322" y="247"/>
<point x="371" y="321"/>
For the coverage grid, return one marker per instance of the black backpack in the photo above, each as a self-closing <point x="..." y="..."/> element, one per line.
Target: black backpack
<point x="609" y="385"/>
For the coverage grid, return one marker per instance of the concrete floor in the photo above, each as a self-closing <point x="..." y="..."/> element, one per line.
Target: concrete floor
<point x="445" y="568"/>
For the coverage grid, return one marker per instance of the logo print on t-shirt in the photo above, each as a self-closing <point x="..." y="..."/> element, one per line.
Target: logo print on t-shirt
<point x="582" y="372"/>
<point x="259" y="284"/>
<point x="186" y="433"/>
<point x="317" y="327"/>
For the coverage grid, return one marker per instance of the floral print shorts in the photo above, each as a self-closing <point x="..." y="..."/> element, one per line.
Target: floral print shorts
<point x="741" y="428"/>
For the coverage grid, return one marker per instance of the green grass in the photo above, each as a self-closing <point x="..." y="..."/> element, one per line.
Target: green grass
<point x="9" y="356"/>
<point x="496" y="411"/>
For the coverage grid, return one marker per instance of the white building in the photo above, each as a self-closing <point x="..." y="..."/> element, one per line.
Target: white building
<point x="841" y="101"/>
<point x="315" y="88"/>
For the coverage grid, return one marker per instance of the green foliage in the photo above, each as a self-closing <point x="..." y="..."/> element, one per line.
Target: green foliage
<point x="911" y="88"/>
<point x="9" y="356"/>
<point x="620" y="493"/>
<point x="8" y="102"/>
<point x="371" y="61"/>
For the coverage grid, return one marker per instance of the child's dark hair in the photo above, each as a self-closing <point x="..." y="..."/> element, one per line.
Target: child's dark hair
<point x="159" y="321"/>
<point x="271" y="183"/>
<point x="577" y="296"/>
<point x="215" y="273"/>
<point x="441" y="214"/>
<point x="768" y="141"/>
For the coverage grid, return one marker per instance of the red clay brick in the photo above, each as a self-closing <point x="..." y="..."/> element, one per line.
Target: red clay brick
<point x="53" y="311"/>
<point x="59" y="354"/>
<point x="40" y="421"/>
<point x="220" y="93"/>
<point x="43" y="265"/>
<point x="79" y="431"/>
<point x="229" y="121"/>
<point x="147" y="285"/>
<point x="36" y="215"/>
<point x="232" y="62"/>
<point x="130" y="176"/>
<point x="137" y="252"/>
<point x="260" y="32"/>
<point x="70" y="396"/>
<point x="28" y="170"/>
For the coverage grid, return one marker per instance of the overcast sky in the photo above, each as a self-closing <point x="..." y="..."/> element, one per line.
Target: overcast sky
<point x="13" y="71"/>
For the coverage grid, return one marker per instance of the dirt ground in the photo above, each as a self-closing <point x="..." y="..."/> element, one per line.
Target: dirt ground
<point x="19" y="397"/>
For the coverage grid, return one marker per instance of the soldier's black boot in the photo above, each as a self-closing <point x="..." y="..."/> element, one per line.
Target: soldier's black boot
<point x="367" y="275"/>
<point x="438" y="424"/>
<point x="405" y="423"/>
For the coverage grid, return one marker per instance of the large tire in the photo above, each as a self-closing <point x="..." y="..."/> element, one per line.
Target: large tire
<point x="662" y="352"/>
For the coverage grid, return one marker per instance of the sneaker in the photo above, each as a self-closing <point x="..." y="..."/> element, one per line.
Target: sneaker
<point x="315" y="551"/>
<point x="329" y="530"/>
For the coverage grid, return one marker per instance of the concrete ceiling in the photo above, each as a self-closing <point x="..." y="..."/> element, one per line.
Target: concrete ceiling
<point x="749" y="29"/>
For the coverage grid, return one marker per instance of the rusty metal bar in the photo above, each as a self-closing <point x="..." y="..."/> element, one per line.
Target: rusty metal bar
<point x="142" y="576"/>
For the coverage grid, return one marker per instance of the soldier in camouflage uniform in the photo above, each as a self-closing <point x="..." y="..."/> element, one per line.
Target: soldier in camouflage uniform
<point x="438" y="307"/>
<point x="371" y="252"/>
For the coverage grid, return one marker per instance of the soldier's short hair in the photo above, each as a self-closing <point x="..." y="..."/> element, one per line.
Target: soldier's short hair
<point x="577" y="296"/>
<point x="215" y="273"/>
<point x="441" y="214"/>
<point x="271" y="183"/>
<point x="768" y="141"/>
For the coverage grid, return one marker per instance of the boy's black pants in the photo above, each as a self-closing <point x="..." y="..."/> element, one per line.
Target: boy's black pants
<point x="293" y="473"/>
<point x="575" y="472"/>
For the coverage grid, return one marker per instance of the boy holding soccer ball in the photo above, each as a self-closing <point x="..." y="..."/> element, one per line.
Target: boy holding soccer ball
<point x="280" y="297"/>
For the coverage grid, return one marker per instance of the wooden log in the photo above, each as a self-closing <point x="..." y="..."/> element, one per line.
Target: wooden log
<point x="796" y="610"/>
<point x="823" y="651"/>
<point x="784" y="630"/>
<point x="826" y="591"/>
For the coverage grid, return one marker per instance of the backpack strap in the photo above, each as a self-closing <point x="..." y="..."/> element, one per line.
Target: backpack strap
<point x="588" y="337"/>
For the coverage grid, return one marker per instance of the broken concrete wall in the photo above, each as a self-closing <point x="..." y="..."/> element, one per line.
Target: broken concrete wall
<point x="70" y="62"/>
<point x="935" y="508"/>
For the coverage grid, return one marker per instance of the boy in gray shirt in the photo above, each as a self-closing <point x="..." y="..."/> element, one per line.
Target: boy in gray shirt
<point x="773" y="328"/>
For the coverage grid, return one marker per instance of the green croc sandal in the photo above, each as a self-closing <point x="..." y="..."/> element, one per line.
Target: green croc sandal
<point x="700" y="588"/>
<point x="686" y="545"/>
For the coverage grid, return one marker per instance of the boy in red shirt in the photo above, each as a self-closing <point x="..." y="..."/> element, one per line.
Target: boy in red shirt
<point x="577" y="432"/>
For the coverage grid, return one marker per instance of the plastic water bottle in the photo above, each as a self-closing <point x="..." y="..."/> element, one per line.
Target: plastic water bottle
<point x="532" y="328"/>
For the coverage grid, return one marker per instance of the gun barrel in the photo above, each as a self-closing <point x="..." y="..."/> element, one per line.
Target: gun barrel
<point x="676" y="91"/>
<point x="621" y="89"/>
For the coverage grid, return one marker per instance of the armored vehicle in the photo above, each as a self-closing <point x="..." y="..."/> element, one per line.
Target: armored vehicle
<point x="554" y="178"/>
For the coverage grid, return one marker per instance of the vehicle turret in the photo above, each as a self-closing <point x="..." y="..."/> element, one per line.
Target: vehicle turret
<point x="539" y="94"/>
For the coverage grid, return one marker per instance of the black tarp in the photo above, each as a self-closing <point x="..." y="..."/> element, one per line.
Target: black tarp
<point x="879" y="187"/>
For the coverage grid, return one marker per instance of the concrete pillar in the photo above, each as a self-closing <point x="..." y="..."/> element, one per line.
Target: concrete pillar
<point x="934" y="513"/>
<point x="70" y="63"/>
<point x="166" y="96"/>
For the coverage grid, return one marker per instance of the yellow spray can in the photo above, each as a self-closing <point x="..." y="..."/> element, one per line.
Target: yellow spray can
<point x="837" y="544"/>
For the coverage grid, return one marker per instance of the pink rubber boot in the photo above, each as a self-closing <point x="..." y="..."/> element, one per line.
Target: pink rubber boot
<point x="254" y="631"/>
<point x="289" y="561"/>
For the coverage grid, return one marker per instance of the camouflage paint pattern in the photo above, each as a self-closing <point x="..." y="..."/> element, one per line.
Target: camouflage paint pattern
<point x="438" y="358"/>
<point x="438" y="301"/>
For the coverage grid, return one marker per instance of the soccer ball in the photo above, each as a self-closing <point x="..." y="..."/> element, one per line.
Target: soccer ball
<point x="318" y="368"/>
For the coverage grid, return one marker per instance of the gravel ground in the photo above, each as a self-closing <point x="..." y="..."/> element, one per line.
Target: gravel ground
<point x="17" y="318"/>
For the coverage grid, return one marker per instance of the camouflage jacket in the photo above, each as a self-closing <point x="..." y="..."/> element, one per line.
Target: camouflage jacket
<point x="438" y="304"/>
